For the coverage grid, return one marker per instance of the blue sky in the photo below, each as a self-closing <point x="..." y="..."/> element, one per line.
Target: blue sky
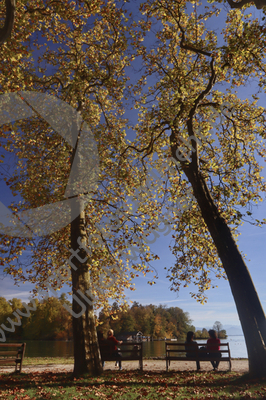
<point x="220" y="305"/>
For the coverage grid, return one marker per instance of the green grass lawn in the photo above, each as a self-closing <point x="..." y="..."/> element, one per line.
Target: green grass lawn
<point x="125" y="385"/>
<point x="47" y="361"/>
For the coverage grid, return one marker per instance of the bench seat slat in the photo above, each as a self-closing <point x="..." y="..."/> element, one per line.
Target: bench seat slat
<point x="194" y="351"/>
<point x="9" y="360"/>
<point x="198" y="358"/>
<point x="121" y="359"/>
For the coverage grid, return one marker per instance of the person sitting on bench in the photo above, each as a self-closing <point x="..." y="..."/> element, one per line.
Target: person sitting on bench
<point x="114" y="341"/>
<point x="191" y="344"/>
<point x="213" y="348"/>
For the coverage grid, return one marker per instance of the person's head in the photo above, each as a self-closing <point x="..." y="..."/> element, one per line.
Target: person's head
<point x="110" y="332"/>
<point x="212" y="334"/>
<point x="190" y="336"/>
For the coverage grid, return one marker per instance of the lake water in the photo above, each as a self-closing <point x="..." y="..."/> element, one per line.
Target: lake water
<point x="36" y="348"/>
<point x="237" y="346"/>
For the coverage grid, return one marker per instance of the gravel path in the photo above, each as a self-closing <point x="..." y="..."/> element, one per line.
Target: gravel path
<point x="148" y="365"/>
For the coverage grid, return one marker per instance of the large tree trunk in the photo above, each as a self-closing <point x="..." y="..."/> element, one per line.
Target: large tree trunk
<point x="86" y="351"/>
<point x="87" y="357"/>
<point x="248" y="305"/>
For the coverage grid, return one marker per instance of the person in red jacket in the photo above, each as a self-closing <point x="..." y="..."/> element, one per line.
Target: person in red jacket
<point x="115" y="352"/>
<point x="213" y="348"/>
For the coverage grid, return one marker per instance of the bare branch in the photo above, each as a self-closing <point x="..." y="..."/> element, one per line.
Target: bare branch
<point x="200" y="97"/>
<point x="5" y="32"/>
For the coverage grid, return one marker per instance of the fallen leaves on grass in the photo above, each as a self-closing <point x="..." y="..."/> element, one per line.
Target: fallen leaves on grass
<point x="114" y="385"/>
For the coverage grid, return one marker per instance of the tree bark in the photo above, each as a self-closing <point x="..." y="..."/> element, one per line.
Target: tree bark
<point x="247" y="302"/>
<point x="87" y="357"/>
<point x="86" y="351"/>
<point x="5" y="32"/>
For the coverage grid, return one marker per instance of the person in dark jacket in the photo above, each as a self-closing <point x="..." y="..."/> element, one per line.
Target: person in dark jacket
<point x="192" y="344"/>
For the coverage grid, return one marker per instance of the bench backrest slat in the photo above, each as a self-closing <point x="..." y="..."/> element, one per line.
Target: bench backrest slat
<point x="8" y="353"/>
<point x="107" y="349"/>
<point x="195" y="348"/>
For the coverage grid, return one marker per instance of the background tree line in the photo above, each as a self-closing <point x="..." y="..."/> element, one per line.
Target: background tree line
<point x="217" y="326"/>
<point x="154" y="321"/>
<point x="50" y="320"/>
<point x="157" y="322"/>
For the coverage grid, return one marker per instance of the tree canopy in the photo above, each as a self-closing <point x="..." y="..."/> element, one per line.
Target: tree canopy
<point x="159" y="89"/>
<point x="187" y="65"/>
<point x="72" y="65"/>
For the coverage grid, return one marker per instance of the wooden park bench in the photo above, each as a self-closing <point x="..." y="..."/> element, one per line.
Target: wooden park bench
<point x="175" y="351"/>
<point x="12" y="353"/>
<point x="129" y="351"/>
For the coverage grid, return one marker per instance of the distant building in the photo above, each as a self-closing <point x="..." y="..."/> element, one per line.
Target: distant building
<point x="135" y="336"/>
